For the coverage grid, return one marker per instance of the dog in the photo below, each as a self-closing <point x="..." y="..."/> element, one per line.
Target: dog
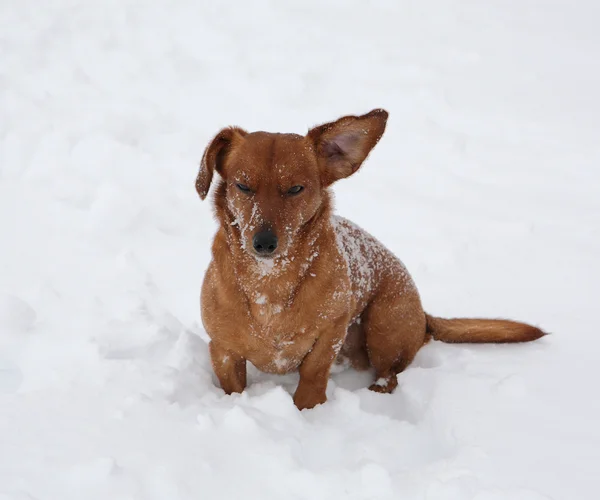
<point x="290" y="286"/>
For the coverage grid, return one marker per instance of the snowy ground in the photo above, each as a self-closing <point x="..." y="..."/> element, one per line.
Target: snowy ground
<point x="486" y="184"/>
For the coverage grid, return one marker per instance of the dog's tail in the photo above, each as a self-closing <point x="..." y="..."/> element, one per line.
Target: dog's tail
<point x="463" y="330"/>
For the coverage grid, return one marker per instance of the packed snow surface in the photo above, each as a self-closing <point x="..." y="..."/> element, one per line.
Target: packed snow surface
<point x="486" y="184"/>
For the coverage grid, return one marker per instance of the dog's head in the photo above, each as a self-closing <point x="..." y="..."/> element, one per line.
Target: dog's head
<point x="273" y="185"/>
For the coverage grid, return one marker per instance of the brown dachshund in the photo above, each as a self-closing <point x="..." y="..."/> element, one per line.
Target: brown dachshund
<point x="293" y="287"/>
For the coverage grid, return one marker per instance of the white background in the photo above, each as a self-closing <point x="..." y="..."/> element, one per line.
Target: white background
<point x="486" y="184"/>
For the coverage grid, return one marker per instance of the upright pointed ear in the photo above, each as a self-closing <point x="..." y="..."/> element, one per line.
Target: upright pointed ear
<point x="214" y="157"/>
<point x="343" y="145"/>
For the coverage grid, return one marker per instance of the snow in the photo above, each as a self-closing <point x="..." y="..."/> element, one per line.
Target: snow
<point x="364" y="255"/>
<point x="485" y="184"/>
<point x="261" y="299"/>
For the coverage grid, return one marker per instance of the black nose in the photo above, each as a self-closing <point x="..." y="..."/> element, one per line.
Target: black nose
<point x="265" y="242"/>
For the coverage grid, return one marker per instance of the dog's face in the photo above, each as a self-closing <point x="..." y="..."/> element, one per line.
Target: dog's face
<point x="273" y="184"/>
<point x="273" y="189"/>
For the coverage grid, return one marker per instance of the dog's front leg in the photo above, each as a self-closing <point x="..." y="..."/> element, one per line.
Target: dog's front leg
<point x="315" y="367"/>
<point x="229" y="367"/>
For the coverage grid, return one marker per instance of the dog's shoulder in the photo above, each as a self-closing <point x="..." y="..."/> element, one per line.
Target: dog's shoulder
<point x="354" y="243"/>
<point x="368" y="260"/>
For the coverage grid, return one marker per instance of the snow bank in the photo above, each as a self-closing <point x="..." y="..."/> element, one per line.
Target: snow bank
<point x="485" y="184"/>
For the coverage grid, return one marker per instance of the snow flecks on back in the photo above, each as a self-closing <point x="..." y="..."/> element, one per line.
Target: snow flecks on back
<point x="366" y="258"/>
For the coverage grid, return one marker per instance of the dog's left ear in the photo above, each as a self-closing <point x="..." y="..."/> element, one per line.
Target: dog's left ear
<point x="342" y="146"/>
<point x="214" y="157"/>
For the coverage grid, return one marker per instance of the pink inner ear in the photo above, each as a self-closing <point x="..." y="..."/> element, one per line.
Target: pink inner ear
<point x="341" y="144"/>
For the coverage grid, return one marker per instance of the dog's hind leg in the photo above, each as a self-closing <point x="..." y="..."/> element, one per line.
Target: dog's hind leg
<point x="395" y="327"/>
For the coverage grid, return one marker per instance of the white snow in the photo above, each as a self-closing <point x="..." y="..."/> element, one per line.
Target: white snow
<point x="485" y="184"/>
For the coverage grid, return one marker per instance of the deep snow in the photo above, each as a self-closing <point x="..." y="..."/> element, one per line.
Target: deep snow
<point x="486" y="184"/>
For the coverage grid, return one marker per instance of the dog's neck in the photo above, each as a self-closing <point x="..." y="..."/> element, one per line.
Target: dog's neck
<point x="275" y="280"/>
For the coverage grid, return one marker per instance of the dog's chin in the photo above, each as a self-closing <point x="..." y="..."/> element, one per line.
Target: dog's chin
<point x="272" y="259"/>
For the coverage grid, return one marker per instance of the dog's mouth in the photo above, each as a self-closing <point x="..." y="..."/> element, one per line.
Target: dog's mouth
<point x="265" y="258"/>
<point x="270" y="255"/>
<point x="271" y="262"/>
<point x="266" y="265"/>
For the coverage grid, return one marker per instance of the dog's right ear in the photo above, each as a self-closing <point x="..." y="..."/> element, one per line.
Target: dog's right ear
<point x="214" y="156"/>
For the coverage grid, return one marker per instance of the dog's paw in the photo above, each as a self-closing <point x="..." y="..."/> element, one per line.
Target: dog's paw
<point x="385" y="385"/>
<point x="305" y="399"/>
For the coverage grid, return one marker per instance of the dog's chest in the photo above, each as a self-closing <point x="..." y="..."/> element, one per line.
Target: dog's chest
<point x="279" y="357"/>
<point x="264" y="310"/>
<point x="278" y="349"/>
<point x="277" y="343"/>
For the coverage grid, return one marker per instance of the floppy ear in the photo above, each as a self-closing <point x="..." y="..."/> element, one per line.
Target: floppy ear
<point x="343" y="145"/>
<point x="214" y="156"/>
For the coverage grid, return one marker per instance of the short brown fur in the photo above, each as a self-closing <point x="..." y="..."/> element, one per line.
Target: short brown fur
<point x="329" y="291"/>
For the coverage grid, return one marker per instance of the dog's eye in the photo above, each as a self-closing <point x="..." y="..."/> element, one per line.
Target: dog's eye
<point x="243" y="188"/>
<point x="295" y="189"/>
